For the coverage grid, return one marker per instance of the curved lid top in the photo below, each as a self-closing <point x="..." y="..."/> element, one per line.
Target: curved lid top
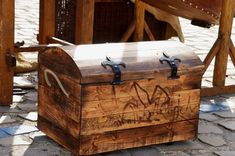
<point x="142" y="60"/>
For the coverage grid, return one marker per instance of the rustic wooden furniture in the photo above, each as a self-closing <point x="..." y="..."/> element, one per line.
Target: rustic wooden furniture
<point x="210" y="13"/>
<point x="104" y="97"/>
<point x="202" y="10"/>
<point x="98" y="21"/>
<point x="220" y="50"/>
<point x="6" y="50"/>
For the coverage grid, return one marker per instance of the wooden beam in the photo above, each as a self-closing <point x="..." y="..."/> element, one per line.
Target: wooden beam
<point x="84" y="21"/>
<point x="225" y="29"/>
<point x="6" y="46"/>
<point x="149" y="32"/>
<point x="214" y="50"/>
<point x="130" y="30"/>
<point x="217" y="90"/>
<point x="59" y="41"/>
<point x="139" y="17"/>
<point x="47" y="20"/>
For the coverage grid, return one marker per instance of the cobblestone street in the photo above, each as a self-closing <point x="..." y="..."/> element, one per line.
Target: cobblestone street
<point x="19" y="135"/>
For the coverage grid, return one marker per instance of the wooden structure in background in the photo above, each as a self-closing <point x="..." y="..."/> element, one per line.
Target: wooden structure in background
<point x="220" y="50"/>
<point x="99" y="21"/>
<point x="81" y="110"/>
<point x="7" y="61"/>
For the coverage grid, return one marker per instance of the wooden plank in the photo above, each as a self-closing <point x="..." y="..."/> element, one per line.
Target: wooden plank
<point x="148" y="31"/>
<point x="225" y="29"/>
<point x="190" y="9"/>
<point x="6" y="46"/>
<point x="142" y="60"/>
<point x="213" y="52"/>
<point x="63" y="112"/>
<point x="107" y="108"/>
<point x="139" y="17"/>
<point x="34" y="48"/>
<point x="130" y="30"/>
<point x="218" y="90"/>
<point x="138" y="137"/>
<point x="59" y="41"/>
<point x="47" y="20"/>
<point x="84" y="21"/>
<point x="138" y="102"/>
<point x="137" y="119"/>
<point x="71" y="86"/>
<point x="58" y="61"/>
<point x="128" y="89"/>
<point x="59" y="135"/>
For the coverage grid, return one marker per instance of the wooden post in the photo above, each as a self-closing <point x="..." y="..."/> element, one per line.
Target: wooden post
<point x="47" y="20"/>
<point x="84" y="21"/>
<point x="225" y="29"/>
<point x="139" y="17"/>
<point x="6" y="47"/>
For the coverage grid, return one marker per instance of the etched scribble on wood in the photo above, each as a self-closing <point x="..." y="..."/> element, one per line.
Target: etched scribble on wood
<point x="140" y="107"/>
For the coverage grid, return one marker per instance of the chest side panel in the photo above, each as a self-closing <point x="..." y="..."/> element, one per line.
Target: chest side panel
<point x="59" y="109"/>
<point x="139" y="103"/>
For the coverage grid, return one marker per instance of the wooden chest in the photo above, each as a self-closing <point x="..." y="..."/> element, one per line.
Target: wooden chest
<point x="137" y="100"/>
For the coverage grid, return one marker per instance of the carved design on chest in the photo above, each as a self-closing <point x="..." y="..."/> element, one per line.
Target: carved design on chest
<point x="156" y="105"/>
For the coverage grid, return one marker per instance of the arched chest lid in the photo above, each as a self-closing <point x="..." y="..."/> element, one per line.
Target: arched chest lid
<point x="101" y="63"/>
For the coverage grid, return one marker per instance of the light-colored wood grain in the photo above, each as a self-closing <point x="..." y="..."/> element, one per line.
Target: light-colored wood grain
<point x="84" y="21"/>
<point x="6" y="47"/>
<point x="47" y="21"/>
<point x="138" y="137"/>
<point x="225" y="30"/>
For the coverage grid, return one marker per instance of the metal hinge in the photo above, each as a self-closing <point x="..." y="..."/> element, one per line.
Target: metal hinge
<point x="115" y="67"/>
<point x="171" y="61"/>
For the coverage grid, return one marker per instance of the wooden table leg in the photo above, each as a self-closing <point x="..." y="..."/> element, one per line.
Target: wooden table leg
<point x="7" y="46"/>
<point x="226" y="22"/>
<point x="84" y="26"/>
<point x="47" y="20"/>
<point x="139" y="17"/>
<point x="220" y="50"/>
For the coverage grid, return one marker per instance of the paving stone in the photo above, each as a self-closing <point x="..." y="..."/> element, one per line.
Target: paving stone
<point x="22" y="82"/>
<point x="32" y="116"/>
<point x="16" y="140"/>
<point x="206" y="128"/>
<point x="32" y="106"/>
<point x="146" y="151"/>
<point x="21" y="129"/>
<point x="213" y="140"/>
<point x="228" y="124"/>
<point x="225" y="153"/>
<point x="208" y="117"/>
<point x="180" y="146"/>
<point x="227" y="114"/>
<point x="43" y="151"/>
<point x="213" y="108"/>
<point x="3" y="135"/>
<point x="32" y="96"/>
<point x="6" y="119"/>
<point x="6" y="109"/>
<point x="117" y="153"/>
<point x="39" y="137"/>
<point x="229" y="136"/>
<point x="17" y="98"/>
<point x="19" y="150"/>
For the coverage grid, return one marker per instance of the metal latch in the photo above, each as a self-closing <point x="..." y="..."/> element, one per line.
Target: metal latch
<point x="10" y="60"/>
<point x="171" y="61"/>
<point x="115" y="67"/>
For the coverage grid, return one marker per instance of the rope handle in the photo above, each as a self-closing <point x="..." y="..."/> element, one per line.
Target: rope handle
<point x="48" y="71"/>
